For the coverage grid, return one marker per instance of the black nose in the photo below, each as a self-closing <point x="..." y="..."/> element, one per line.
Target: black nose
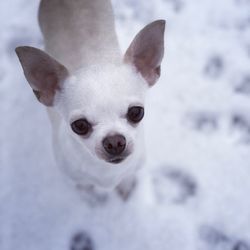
<point x="114" y="145"/>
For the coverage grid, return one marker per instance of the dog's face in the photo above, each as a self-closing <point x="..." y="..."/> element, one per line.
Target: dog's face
<point x="102" y="106"/>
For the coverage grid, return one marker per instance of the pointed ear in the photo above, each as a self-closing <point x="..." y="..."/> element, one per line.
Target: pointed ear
<point x="43" y="73"/>
<point x="147" y="50"/>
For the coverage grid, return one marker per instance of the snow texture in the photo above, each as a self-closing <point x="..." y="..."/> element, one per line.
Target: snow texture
<point x="193" y="192"/>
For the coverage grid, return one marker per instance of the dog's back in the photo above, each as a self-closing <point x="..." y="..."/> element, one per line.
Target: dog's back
<point x="79" y="32"/>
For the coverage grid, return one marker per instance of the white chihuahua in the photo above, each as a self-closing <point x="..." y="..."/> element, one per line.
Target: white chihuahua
<point x="94" y="95"/>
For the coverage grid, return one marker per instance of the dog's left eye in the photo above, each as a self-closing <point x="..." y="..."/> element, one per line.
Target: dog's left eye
<point x="135" y="114"/>
<point x="81" y="127"/>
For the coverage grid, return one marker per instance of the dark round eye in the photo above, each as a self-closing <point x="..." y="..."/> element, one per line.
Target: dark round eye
<point x="81" y="127"/>
<point x="135" y="114"/>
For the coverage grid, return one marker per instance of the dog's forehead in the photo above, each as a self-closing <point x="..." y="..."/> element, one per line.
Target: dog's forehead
<point x="105" y="87"/>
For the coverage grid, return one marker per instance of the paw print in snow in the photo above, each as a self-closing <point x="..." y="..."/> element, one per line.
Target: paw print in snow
<point x="81" y="241"/>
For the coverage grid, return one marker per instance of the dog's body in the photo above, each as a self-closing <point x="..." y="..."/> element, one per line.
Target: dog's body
<point x="94" y="90"/>
<point x="79" y="33"/>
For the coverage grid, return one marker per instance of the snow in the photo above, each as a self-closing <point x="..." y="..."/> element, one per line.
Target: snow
<point x="194" y="189"/>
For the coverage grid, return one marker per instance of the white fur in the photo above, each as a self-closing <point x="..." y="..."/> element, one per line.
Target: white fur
<point x="101" y="89"/>
<point x="85" y="76"/>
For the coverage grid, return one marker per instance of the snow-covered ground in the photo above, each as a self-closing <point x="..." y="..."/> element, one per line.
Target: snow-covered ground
<point x="194" y="190"/>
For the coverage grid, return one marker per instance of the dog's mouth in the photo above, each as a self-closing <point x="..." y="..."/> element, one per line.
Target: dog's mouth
<point x="113" y="159"/>
<point x="116" y="160"/>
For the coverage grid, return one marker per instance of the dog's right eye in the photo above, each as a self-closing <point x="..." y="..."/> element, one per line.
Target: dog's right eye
<point x="81" y="127"/>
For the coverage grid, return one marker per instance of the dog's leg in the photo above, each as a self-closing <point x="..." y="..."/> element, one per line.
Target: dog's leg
<point x="91" y="195"/>
<point x="126" y="187"/>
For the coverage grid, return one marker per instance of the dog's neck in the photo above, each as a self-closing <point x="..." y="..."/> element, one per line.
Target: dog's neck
<point x="79" y="33"/>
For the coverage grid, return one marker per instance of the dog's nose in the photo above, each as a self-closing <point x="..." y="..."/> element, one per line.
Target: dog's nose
<point x="114" y="145"/>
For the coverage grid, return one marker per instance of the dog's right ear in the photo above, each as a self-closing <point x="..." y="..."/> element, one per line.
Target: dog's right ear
<point x="43" y="73"/>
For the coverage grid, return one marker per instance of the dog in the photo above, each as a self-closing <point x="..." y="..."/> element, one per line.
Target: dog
<point x="94" y="95"/>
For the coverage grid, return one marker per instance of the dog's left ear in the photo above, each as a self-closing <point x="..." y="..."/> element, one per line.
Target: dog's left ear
<point x="147" y="50"/>
<point x="44" y="73"/>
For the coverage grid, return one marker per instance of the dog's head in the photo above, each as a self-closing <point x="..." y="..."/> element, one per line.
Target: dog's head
<point x="102" y="106"/>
